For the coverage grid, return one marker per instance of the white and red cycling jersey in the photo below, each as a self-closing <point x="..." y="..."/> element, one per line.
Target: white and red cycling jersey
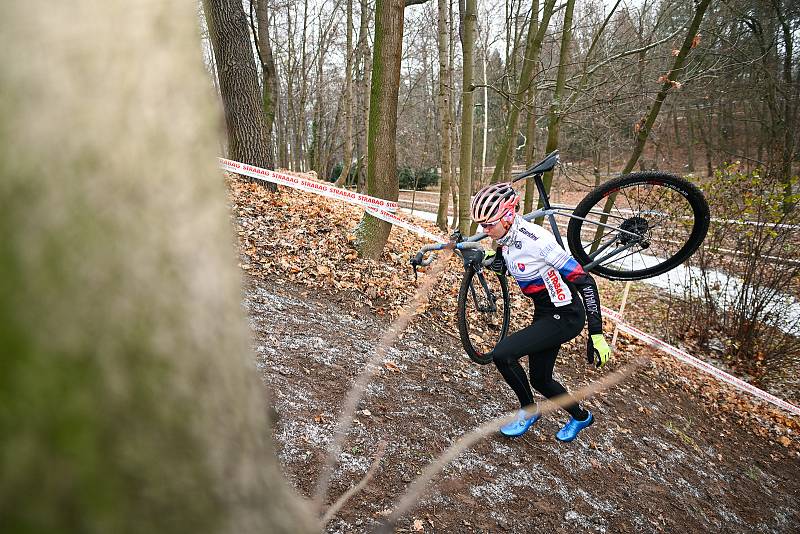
<point x="547" y="273"/>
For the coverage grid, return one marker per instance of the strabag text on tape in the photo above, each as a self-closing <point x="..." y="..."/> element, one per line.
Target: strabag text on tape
<point x="311" y="186"/>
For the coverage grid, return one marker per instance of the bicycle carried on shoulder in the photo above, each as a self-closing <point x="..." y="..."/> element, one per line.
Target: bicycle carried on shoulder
<point x="632" y="227"/>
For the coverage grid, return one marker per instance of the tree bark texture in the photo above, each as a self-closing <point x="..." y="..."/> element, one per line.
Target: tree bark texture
<point x="238" y="81"/>
<point x="381" y="135"/>
<point x="269" y="100"/>
<point x="467" y="114"/>
<point x="130" y="401"/>
<point x="445" y="121"/>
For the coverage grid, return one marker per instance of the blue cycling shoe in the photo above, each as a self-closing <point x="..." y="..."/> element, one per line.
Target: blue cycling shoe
<point x="520" y="424"/>
<point x="573" y="426"/>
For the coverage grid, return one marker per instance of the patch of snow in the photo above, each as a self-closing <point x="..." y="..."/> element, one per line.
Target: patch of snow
<point x="357" y="464"/>
<point x="470" y="461"/>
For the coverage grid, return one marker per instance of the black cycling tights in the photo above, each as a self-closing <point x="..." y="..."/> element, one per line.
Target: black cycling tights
<point x="541" y="342"/>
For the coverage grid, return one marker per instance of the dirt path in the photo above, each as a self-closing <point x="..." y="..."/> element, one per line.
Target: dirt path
<point x="655" y="460"/>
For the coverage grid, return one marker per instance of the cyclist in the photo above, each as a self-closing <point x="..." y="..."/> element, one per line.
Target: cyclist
<point x="552" y="278"/>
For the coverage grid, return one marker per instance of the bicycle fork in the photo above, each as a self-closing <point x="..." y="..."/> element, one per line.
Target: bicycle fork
<point x="490" y="298"/>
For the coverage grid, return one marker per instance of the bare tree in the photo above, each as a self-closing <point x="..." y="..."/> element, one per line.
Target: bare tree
<point x="536" y="34"/>
<point x="469" y="18"/>
<point x="554" y="114"/>
<point x="445" y="120"/>
<point x="381" y="147"/>
<point x="347" y="159"/>
<point x="238" y="81"/>
<point x="363" y="58"/>
<point x="268" y="71"/>
<point x="670" y="81"/>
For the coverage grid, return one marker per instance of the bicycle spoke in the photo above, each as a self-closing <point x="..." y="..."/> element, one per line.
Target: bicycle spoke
<point x="656" y="213"/>
<point x="484" y="312"/>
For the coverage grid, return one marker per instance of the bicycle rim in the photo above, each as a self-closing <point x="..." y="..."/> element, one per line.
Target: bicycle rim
<point x="480" y="324"/>
<point x="657" y="219"/>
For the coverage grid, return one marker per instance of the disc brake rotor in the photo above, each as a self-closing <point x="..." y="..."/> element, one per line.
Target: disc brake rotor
<point x="634" y="225"/>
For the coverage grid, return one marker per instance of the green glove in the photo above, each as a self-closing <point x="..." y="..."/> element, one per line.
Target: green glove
<point x="493" y="259"/>
<point x="597" y="350"/>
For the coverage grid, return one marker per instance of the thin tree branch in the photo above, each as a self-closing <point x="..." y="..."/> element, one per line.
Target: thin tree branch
<point x="335" y="507"/>
<point x="345" y="420"/>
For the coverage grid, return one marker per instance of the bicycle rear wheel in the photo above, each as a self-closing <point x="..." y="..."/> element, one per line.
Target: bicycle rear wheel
<point x="484" y="312"/>
<point x="653" y="222"/>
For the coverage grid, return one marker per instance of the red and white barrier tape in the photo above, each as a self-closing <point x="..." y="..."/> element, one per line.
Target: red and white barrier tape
<point x="377" y="207"/>
<point x="699" y="364"/>
<point x="394" y="219"/>
<point x="311" y="186"/>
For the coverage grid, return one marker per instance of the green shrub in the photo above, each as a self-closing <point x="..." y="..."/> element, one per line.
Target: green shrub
<point x="417" y="178"/>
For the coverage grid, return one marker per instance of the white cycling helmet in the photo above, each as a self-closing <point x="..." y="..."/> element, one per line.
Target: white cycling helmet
<point x="492" y="202"/>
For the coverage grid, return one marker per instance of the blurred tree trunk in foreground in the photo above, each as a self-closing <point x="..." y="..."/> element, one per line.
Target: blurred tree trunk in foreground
<point x="130" y="402"/>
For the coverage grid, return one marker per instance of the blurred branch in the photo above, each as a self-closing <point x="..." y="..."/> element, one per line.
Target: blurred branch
<point x="335" y="507"/>
<point x="420" y="485"/>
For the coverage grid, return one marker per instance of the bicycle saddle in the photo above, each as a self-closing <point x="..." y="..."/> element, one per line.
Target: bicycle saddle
<point x="546" y="164"/>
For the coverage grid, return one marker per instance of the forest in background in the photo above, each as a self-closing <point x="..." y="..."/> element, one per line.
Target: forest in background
<point x="736" y="98"/>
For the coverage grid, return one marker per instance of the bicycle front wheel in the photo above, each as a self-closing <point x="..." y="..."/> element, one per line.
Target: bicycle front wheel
<point x="638" y="225"/>
<point x="484" y="312"/>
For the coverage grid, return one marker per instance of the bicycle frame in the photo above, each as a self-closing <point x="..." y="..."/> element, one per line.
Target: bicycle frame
<point x="547" y="210"/>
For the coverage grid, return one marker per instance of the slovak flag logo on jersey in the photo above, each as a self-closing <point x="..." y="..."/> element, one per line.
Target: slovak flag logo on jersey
<point x="521" y="267"/>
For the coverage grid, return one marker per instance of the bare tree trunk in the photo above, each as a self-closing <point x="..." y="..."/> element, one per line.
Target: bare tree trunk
<point x="455" y="141"/>
<point x="484" y="60"/>
<point x="530" y="129"/>
<point x="292" y="99"/>
<point x="347" y="157"/>
<point x="270" y="84"/>
<point x="381" y="136"/>
<point x="364" y="85"/>
<point x="444" y="114"/>
<point x="302" y="123"/>
<point x="238" y="82"/>
<point x="470" y="16"/>
<point x="281" y="129"/>
<point x="316" y="153"/>
<point x="554" y="115"/>
<point x="128" y="384"/>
